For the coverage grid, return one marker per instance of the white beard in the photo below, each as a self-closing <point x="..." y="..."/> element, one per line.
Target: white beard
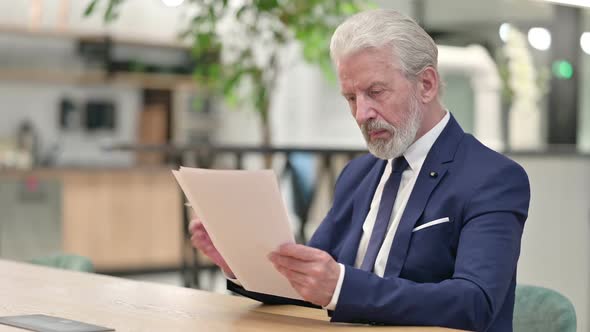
<point x="401" y="138"/>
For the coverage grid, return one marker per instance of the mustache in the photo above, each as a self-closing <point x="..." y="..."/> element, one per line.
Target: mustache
<point x="375" y="124"/>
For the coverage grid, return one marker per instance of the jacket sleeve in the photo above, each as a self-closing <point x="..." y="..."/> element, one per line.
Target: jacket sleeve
<point x="485" y="266"/>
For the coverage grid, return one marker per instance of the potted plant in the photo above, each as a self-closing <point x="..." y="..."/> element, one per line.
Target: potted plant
<point x="523" y="86"/>
<point x="237" y="45"/>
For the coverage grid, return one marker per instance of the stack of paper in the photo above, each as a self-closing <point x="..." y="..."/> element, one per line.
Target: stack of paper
<point x="245" y="216"/>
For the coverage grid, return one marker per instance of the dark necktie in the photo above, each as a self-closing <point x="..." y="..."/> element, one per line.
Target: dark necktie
<point x="384" y="214"/>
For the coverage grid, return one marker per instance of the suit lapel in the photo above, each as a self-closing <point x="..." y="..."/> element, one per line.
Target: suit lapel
<point x="361" y="203"/>
<point x="437" y="161"/>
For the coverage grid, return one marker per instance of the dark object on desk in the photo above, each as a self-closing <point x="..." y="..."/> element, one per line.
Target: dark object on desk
<point x="268" y="299"/>
<point x="43" y="323"/>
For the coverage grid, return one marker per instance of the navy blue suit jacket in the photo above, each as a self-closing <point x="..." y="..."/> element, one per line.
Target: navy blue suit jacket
<point x="460" y="274"/>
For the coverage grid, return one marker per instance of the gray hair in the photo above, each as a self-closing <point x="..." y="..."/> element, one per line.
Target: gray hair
<point x="414" y="48"/>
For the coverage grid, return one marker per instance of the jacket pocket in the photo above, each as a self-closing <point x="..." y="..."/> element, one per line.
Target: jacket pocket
<point x="431" y="223"/>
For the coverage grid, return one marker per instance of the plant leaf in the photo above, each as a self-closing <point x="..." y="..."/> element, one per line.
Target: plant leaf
<point x="90" y="8"/>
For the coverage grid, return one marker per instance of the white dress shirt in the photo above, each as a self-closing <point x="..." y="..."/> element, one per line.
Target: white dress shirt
<point x="415" y="155"/>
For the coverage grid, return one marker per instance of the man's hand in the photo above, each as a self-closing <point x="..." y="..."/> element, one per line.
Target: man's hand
<point x="312" y="272"/>
<point x="200" y="239"/>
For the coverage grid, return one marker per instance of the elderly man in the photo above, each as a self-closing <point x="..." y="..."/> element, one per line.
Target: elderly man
<point x="424" y="230"/>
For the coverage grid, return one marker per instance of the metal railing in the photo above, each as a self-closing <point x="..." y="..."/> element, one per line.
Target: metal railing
<point x="207" y="156"/>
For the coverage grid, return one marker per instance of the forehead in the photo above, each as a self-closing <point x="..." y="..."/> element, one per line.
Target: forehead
<point x="366" y="67"/>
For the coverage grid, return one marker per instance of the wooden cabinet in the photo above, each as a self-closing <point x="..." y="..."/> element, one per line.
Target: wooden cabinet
<point x="122" y="219"/>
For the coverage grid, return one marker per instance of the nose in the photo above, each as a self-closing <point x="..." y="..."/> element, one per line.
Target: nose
<point x="364" y="110"/>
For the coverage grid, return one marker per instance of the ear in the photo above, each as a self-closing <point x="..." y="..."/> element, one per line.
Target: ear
<point x="428" y="84"/>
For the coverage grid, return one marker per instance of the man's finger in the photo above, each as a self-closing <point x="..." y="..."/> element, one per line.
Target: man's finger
<point x="290" y="263"/>
<point x="194" y="223"/>
<point x="297" y="286"/>
<point x="196" y="237"/>
<point x="299" y="251"/>
<point x="295" y="277"/>
<point x="305" y="292"/>
<point x="201" y="236"/>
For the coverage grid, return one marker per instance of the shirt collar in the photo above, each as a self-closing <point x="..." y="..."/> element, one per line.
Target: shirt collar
<point x="416" y="153"/>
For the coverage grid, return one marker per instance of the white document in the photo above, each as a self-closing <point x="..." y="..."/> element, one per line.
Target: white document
<point x="245" y="217"/>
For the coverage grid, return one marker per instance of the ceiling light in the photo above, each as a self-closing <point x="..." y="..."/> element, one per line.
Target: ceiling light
<point x="172" y="3"/>
<point x="540" y="38"/>
<point x="578" y="3"/>
<point x="585" y="42"/>
<point x="504" y="30"/>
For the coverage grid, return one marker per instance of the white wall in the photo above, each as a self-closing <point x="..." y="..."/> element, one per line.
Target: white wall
<point x="39" y="103"/>
<point x="139" y="19"/>
<point x="308" y="109"/>
<point x="445" y="14"/>
<point x="555" y="243"/>
<point x="584" y="97"/>
<point x="21" y="100"/>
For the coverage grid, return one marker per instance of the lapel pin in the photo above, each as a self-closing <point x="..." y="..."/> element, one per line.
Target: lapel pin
<point x="433" y="174"/>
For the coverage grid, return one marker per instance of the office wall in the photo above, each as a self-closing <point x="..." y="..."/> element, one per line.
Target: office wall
<point x="458" y="98"/>
<point x="555" y="243"/>
<point x="147" y="19"/>
<point x="309" y="110"/>
<point x="39" y="104"/>
<point x="584" y="96"/>
<point x="38" y="99"/>
<point x="444" y="13"/>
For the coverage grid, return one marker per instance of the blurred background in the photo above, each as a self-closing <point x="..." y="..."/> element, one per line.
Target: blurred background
<point x="99" y="100"/>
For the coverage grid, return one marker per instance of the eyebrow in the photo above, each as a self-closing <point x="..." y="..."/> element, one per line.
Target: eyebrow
<point x="378" y="83"/>
<point x="372" y="85"/>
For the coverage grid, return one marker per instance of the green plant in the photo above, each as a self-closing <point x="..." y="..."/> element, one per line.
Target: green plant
<point x="521" y="77"/>
<point x="243" y="64"/>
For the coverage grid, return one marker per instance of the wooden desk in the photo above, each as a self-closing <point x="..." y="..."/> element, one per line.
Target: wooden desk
<point x="137" y="306"/>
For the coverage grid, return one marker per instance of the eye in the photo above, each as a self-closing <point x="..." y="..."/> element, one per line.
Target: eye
<point x="375" y="93"/>
<point x="351" y="98"/>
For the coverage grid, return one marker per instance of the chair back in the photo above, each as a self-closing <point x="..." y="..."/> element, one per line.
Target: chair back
<point x="539" y="309"/>
<point x="65" y="262"/>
